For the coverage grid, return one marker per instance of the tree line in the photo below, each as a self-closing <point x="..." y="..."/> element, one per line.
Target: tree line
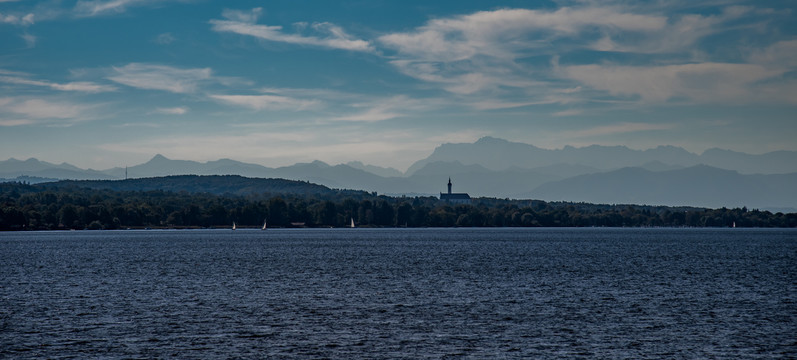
<point x="28" y="207"/>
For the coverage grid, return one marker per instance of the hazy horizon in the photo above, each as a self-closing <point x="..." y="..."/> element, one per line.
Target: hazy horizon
<point x="102" y="84"/>
<point x="288" y="163"/>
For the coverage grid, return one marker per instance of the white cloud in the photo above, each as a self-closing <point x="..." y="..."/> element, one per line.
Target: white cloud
<point x="508" y="33"/>
<point x="165" y="39"/>
<point x="160" y="77"/>
<point x="88" y="8"/>
<point x="702" y="82"/>
<point x="678" y="35"/>
<point x="45" y="109"/>
<point x="384" y="109"/>
<point x="180" y="110"/>
<point x="568" y="112"/>
<point x="483" y="56"/>
<point x="15" y="122"/>
<point x="781" y="54"/>
<point x="243" y="16"/>
<point x="374" y="114"/>
<point x="100" y="7"/>
<point x="614" y="129"/>
<point x="479" y="52"/>
<point x="30" y="40"/>
<point x="81" y="86"/>
<point x="326" y="34"/>
<point x="23" y="20"/>
<point x="267" y="102"/>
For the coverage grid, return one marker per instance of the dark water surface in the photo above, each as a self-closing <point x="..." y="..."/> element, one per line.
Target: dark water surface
<point x="400" y="293"/>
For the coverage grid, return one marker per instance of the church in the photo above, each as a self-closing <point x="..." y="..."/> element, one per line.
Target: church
<point x="455" y="198"/>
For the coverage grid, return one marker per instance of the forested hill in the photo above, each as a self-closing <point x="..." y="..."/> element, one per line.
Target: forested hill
<point x="212" y="184"/>
<point x="218" y="201"/>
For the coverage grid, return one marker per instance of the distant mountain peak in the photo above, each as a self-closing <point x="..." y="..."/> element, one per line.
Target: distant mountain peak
<point x="490" y="139"/>
<point x="158" y="157"/>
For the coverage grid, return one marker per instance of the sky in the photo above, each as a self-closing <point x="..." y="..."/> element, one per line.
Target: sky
<point x="106" y="83"/>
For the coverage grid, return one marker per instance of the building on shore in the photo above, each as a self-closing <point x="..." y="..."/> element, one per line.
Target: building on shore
<point x="454" y="198"/>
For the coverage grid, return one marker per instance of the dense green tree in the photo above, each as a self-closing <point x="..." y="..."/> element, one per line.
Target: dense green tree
<point x="25" y="206"/>
<point x="278" y="212"/>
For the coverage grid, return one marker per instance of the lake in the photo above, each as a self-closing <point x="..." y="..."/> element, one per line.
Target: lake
<point x="399" y="293"/>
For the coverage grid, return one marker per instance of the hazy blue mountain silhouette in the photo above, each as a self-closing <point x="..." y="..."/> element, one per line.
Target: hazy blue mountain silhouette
<point x="494" y="167"/>
<point x="694" y="186"/>
<point x="776" y="162"/>
<point x="159" y="165"/>
<point x="478" y="180"/>
<point x="376" y="170"/>
<point x="13" y="168"/>
<point x="499" y="154"/>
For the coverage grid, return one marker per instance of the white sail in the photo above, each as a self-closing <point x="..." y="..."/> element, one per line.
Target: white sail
<point x="352" y="223"/>
<point x="233" y="225"/>
<point x="264" y="225"/>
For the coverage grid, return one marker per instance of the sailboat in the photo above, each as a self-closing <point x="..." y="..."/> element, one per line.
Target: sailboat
<point x="264" y="225"/>
<point x="233" y="225"/>
<point x="352" y="223"/>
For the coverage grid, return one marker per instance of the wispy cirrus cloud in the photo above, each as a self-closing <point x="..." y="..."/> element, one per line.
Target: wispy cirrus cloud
<point x="15" y="122"/>
<point x="266" y="102"/>
<point x="701" y="82"/>
<point x="88" y="8"/>
<point x="382" y="109"/>
<point x="17" y="111"/>
<point x="323" y="34"/>
<point x="617" y="128"/>
<point x="179" y="110"/>
<point x="19" y="20"/>
<point x="160" y="77"/>
<point x="79" y="86"/>
<point x="496" y="55"/>
<point x="101" y="7"/>
<point x="165" y="39"/>
<point x="479" y="52"/>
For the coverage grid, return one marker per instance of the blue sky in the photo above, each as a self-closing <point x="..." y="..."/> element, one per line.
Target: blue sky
<point x="111" y="83"/>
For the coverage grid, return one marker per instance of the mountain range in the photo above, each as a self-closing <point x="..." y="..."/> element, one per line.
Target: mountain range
<point x="665" y="175"/>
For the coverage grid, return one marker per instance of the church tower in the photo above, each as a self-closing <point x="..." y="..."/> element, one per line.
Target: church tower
<point x="454" y="198"/>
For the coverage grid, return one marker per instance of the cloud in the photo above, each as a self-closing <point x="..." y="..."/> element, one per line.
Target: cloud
<point x="180" y="110"/>
<point x="165" y="39"/>
<point x="160" y="77"/>
<point x="15" y="122"/>
<point x="326" y="34"/>
<point x="80" y="86"/>
<point x="614" y="129"/>
<point x="99" y="7"/>
<point x="44" y="109"/>
<point x="782" y="54"/>
<point x="508" y="33"/>
<point x="383" y="109"/>
<point x="569" y="112"/>
<point x="18" y="20"/>
<point x="242" y="15"/>
<point x="679" y="34"/>
<point x="88" y="8"/>
<point x="266" y="102"/>
<point x="481" y="52"/>
<point x="702" y="82"/>
<point x="30" y="40"/>
<point x="493" y="57"/>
